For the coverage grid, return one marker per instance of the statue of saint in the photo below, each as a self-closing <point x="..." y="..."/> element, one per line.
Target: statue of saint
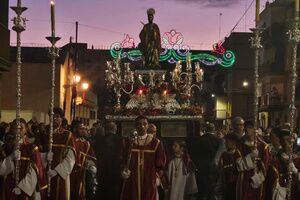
<point x="150" y="45"/>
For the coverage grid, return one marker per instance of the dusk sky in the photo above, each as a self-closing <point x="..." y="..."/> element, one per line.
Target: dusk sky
<point x="103" y="22"/>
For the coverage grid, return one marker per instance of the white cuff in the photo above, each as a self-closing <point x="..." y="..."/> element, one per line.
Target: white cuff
<point x="28" y="183"/>
<point x="245" y="164"/>
<point x="64" y="168"/>
<point x="257" y="179"/>
<point x="279" y="193"/>
<point x="7" y="166"/>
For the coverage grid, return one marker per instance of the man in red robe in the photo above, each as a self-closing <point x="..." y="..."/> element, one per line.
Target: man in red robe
<point x="147" y="165"/>
<point x="277" y="179"/>
<point x="227" y="165"/>
<point x="85" y="160"/>
<point x="251" y="166"/>
<point x="31" y="171"/>
<point x="63" y="158"/>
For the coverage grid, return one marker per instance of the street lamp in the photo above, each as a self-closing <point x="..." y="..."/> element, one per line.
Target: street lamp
<point x="78" y="84"/>
<point x="85" y="86"/>
<point x="213" y="95"/>
<point x="245" y="84"/>
<point x="76" y="78"/>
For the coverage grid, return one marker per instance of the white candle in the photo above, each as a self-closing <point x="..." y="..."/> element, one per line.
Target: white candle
<point x="52" y="17"/>
<point x="257" y="12"/>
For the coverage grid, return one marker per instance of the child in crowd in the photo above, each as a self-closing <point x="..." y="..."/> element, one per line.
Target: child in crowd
<point x="181" y="174"/>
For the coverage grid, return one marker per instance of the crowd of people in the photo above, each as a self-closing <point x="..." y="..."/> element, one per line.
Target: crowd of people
<point x="238" y="164"/>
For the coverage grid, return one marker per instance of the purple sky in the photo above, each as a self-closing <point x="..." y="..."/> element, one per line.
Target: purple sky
<point x="103" y="22"/>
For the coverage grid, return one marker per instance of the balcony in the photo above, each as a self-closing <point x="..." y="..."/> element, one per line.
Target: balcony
<point x="271" y="102"/>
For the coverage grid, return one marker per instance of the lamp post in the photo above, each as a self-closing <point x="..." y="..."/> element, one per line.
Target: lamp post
<point x="76" y="81"/>
<point x="19" y="27"/>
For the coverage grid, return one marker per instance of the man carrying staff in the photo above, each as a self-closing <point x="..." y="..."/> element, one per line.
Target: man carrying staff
<point x="85" y="161"/>
<point x="147" y="165"/>
<point x="252" y="165"/>
<point x="31" y="172"/>
<point x="63" y="158"/>
<point x="278" y="173"/>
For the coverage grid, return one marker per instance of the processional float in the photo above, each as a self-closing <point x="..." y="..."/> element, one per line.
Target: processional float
<point x="156" y="92"/>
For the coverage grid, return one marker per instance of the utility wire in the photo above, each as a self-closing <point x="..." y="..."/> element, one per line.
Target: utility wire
<point x="238" y="22"/>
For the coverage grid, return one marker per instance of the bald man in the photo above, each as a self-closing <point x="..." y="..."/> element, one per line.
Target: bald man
<point x="238" y="126"/>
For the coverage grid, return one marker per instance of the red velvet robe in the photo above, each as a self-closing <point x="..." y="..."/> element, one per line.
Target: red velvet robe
<point x="84" y="151"/>
<point x="30" y="157"/>
<point x="62" y="141"/>
<point x="229" y="172"/>
<point x="147" y="162"/>
<point x="244" y="190"/>
<point x="278" y="173"/>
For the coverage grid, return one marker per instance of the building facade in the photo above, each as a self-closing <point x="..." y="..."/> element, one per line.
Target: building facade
<point x="239" y="79"/>
<point x="5" y="40"/>
<point x="275" y="64"/>
<point x="36" y="87"/>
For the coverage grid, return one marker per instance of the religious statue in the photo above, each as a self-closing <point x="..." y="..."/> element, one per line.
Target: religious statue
<point x="150" y="45"/>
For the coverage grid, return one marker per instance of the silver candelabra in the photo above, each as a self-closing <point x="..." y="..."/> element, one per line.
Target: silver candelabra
<point x="185" y="81"/>
<point x="118" y="80"/>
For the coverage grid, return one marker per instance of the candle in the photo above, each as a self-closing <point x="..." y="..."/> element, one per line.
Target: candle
<point x="257" y="12"/>
<point x="52" y="17"/>
<point x="296" y="8"/>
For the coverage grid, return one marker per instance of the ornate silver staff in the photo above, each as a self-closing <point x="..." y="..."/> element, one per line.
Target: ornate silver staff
<point x="256" y="45"/>
<point x="19" y="27"/>
<point x="132" y="137"/>
<point x="53" y="53"/>
<point x="294" y="39"/>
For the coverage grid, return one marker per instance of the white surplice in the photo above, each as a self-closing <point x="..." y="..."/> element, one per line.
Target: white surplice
<point x="28" y="183"/>
<point x="180" y="184"/>
<point x="65" y="168"/>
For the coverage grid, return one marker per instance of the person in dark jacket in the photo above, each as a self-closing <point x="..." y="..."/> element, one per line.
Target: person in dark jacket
<point x="207" y="173"/>
<point x="111" y="162"/>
